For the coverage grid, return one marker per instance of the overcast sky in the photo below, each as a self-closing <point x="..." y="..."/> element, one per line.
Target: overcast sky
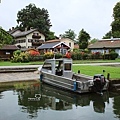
<point x="94" y="16"/>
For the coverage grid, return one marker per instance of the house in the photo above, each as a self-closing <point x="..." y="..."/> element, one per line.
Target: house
<point x="68" y="42"/>
<point x="27" y="39"/>
<point x="54" y="45"/>
<point x="106" y="45"/>
<point x="6" y="52"/>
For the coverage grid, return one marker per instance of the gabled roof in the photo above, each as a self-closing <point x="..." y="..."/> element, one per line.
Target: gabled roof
<point x="24" y="33"/>
<point x="62" y="40"/>
<point x="9" y="47"/>
<point x="48" y="45"/>
<point x="12" y="31"/>
<point x="51" y="45"/>
<point x="106" y="43"/>
<point x="55" y="40"/>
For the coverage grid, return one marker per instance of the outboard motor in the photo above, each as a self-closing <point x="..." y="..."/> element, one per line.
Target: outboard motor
<point x="99" y="82"/>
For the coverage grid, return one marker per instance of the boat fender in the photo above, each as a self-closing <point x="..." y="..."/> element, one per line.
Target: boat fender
<point x="41" y="77"/>
<point x="75" y="85"/>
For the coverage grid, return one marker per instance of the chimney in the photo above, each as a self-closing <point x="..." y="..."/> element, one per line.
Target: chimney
<point x="60" y="36"/>
<point x="12" y="28"/>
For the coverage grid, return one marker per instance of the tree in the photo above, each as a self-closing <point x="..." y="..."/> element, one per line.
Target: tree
<point x="116" y="23"/>
<point x="31" y="16"/>
<point x="108" y="35"/>
<point x="5" y="38"/>
<point x="50" y="36"/>
<point x="69" y="34"/>
<point x="83" y="39"/>
<point x="93" y="41"/>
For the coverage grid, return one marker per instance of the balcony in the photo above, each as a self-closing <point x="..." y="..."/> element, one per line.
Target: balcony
<point x="36" y="36"/>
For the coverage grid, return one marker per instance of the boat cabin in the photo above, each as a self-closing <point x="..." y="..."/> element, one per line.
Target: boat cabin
<point x="61" y="67"/>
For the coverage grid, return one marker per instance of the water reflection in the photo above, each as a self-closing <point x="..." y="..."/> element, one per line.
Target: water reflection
<point x="40" y="101"/>
<point x="116" y="106"/>
<point x="56" y="99"/>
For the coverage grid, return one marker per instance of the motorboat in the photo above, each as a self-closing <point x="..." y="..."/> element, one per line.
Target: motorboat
<point x="58" y="73"/>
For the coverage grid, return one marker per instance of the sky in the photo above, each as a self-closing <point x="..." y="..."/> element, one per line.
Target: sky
<point x="94" y="16"/>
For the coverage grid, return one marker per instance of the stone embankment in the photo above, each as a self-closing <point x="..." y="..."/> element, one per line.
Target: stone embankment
<point x="115" y="85"/>
<point x="19" y="73"/>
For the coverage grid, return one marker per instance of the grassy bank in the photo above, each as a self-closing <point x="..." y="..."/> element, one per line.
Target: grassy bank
<point x="91" y="70"/>
<point x="8" y="63"/>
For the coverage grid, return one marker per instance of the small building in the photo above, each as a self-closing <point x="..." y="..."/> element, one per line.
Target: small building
<point x="27" y="39"/>
<point x="6" y="52"/>
<point x="106" y="45"/>
<point x="68" y="42"/>
<point x="54" y="45"/>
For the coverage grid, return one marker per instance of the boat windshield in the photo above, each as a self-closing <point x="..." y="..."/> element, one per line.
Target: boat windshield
<point x="67" y="66"/>
<point x="47" y="66"/>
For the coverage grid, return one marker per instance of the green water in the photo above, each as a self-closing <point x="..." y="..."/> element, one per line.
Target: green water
<point x="43" y="102"/>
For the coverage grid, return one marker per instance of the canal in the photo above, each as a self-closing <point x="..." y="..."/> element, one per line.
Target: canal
<point x="37" y="101"/>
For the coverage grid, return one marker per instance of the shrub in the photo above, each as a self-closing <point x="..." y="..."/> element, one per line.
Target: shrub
<point x="113" y="55"/>
<point x="19" y="56"/>
<point x="58" y="55"/>
<point x="48" y="55"/>
<point x="96" y="55"/>
<point x="76" y="56"/>
<point x="36" y="58"/>
<point x="84" y="55"/>
<point x="34" y="53"/>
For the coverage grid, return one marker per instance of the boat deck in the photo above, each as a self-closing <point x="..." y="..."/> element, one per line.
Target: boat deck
<point x="81" y="77"/>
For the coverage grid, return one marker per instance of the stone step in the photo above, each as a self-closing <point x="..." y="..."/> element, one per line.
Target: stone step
<point x="116" y="85"/>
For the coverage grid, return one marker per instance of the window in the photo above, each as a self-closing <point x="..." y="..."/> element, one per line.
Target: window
<point x="47" y="66"/>
<point x="70" y="44"/>
<point x="7" y="53"/>
<point x="59" y="65"/>
<point x="67" y="66"/>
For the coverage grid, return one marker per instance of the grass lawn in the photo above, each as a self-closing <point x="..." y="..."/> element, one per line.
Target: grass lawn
<point x="91" y="70"/>
<point x="95" y="61"/>
<point x="8" y="63"/>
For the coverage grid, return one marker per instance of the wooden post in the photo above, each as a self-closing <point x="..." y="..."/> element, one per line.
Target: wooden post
<point x="78" y="71"/>
<point x="108" y="76"/>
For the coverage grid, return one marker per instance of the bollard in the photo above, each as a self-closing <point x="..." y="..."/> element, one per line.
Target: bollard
<point x="41" y="76"/>
<point x="78" y="71"/>
<point x="103" y="72"/>
<point x="108" y="76"/>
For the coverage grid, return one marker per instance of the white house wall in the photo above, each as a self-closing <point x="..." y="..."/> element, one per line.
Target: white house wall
<point x="106" y="51"/>
<point x="67" y="41"/>
<point x="29" y="36"/>
<point x="23" y="45"/>
<point x="100" y="50"/>
<point x="118" y="51"/>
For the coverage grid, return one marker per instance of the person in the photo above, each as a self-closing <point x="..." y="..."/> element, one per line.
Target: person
<point x="68" y="54"/>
